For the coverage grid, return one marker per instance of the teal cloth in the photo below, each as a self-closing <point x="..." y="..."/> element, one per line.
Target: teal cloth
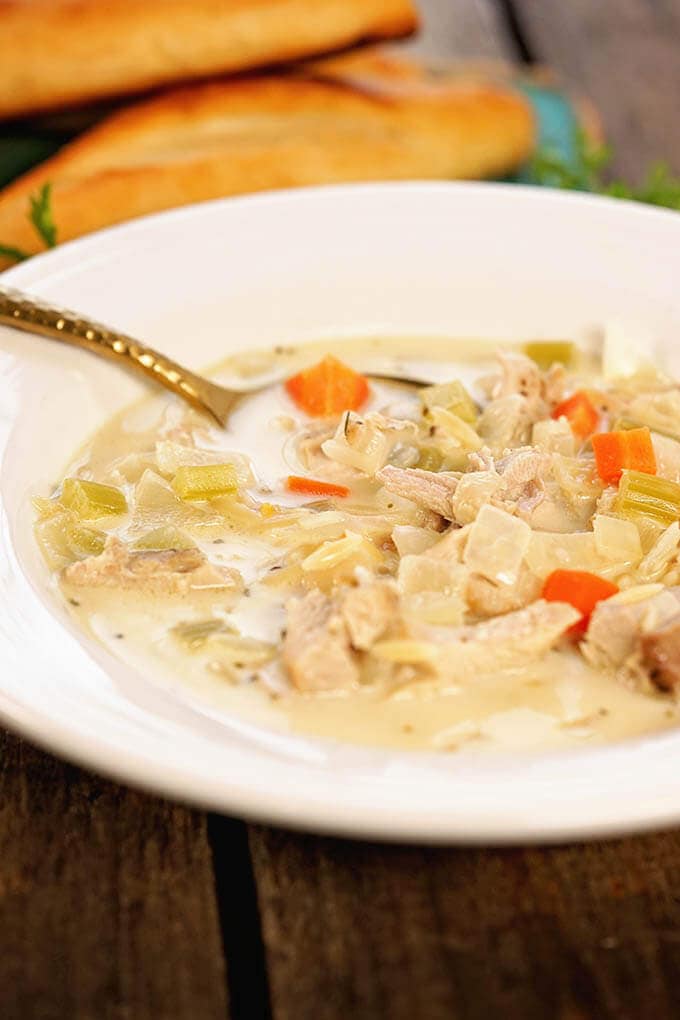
<point x="558" y="125"/>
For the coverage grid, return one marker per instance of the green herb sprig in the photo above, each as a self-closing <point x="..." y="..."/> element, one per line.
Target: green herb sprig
<point x="588" y="172"/>
<point x="41" y="216"/>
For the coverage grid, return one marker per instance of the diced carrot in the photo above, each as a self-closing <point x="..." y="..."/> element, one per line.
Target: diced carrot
<point x="629" y="448"/>
<point x="580" y="412"/>
<point x="580" y="589"/>
<point x="328" y="388"/>
<point x="314" y="487"/>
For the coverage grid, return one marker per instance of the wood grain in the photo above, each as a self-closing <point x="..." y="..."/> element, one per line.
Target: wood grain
<point x="462" y="29"/>
<point x="107" y="905"/>
<point x="623" y="54"/>
<point x="574" y="933"/>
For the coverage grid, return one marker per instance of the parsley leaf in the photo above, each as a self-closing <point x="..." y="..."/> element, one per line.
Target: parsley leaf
<point x="587" y="172"/>
<point x="41" y="215"/>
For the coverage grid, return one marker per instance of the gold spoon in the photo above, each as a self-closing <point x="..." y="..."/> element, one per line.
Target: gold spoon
<point x="25" y="312"/>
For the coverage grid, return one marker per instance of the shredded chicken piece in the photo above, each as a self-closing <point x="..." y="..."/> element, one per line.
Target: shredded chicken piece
<point x="316" y="650"/>
<point x="660" y="653"/>
<point x="520" y="396"/>
<point x="368" y="611"/>
<point x="519" y="374"/>
<point x="554" y="382"/>
<point x="169" y="572"/>
<point x="432" y="490"/>
<point x="506" y="422"/>
<point x="521" y="468"/>
<point x="615" y="639"/>
<point x="482" y="460"/>
<point x="606" y="503"/>
<point x="505" y="642"/>
<point x="486" y="598"/>
<point x="474" y="490"/>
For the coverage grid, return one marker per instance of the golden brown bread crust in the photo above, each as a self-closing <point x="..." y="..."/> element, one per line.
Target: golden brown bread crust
<point x="56" y="53"/>
<point x="368" y="117"/>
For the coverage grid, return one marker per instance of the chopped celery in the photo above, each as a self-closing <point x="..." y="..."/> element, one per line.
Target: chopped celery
<point x="206" y="481"/>
<point x="153" y="494"/>
<point x="430" y="459"/>
<point x="624" y="424"/>
<point x="235" y="650"/>
<point x="45" y="507"/>
<point x="227" y="645"/>
<point x="164" y="538"/>
<point x="195" y="635"/>
<point x="89" y="500"/>
<point x="452" y="426"/>
<point x="643" y="495"/>
<point x="50" y="533"/>
<point x="63" y="540"/>
<point x="454" y="397"/>
<point x="547" y="352"/>
<point x="85" y="541"/>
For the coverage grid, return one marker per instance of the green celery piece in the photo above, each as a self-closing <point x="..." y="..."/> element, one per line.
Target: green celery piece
<point x="643" y="495"/>
<point x="547" y="352"/>
<point x="195" y="635"/>
<point x="84" y="541"/>
<point x="623" y="424"/>
<point x="454" y="397"/>
<point x="206" y="481"/>
<point x="89" y="500"/>
<point x="430" y="459"/>
<point x="167" y="537"/>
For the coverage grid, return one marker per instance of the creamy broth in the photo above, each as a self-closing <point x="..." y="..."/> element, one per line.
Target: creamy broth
<point x="221" y="643"/>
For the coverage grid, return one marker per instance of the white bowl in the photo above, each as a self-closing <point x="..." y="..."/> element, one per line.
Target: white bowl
<point x="452" y="259"/>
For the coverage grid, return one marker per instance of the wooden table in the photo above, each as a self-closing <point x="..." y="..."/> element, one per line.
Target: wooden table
<point x="118" y="906"/>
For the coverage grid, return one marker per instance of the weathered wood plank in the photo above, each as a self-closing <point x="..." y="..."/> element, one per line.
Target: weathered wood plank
<point x="564" y="934"/>
<point x="623" y="54"/>
<point x="462" y="29"/>
<point x="107" y="904"/>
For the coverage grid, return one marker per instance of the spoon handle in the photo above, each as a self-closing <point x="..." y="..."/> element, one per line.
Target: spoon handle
<point x="25" y="312"/>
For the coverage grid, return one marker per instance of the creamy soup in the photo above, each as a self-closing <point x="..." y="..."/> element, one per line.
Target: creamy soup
<point x="487" y="562"/>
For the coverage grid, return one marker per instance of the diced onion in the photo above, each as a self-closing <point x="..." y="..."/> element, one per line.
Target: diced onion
<point x="410" y="540"/>
<point x="453" y="427"/>
<point x="496" y="545"/>
<point x="424" y="573"/>
<point x="616" y="539"/>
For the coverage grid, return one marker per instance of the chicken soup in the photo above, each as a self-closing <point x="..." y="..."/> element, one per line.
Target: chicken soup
<point x="491" y="561"/>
